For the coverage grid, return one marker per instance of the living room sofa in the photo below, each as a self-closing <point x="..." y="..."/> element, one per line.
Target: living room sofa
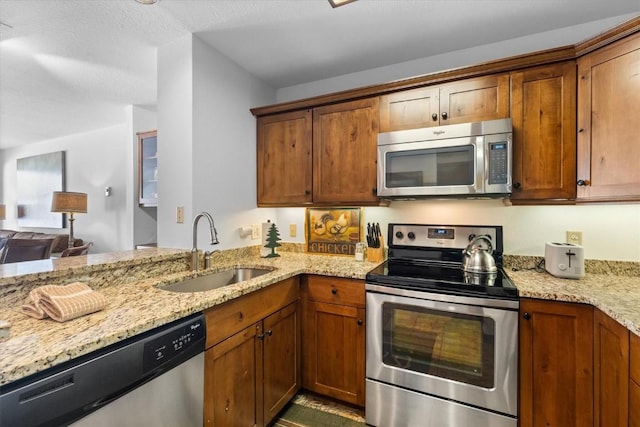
<point x="60" y="241"/>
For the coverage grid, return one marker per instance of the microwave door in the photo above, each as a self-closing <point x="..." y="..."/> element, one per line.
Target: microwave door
<point x="430" y="168"/>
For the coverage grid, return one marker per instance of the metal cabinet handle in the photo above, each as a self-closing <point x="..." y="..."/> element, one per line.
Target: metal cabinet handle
<point x="517" y="186"/>
<point x="434" y="116"/>
<point x="269" y="332"/>
<point x="359" y="322"/>
<point x="334" y="291"/>
<point x="526" y="315"/>
<point x="582" y="182"/>
<point x="261" y="336"/>
<point x="445" y="115"/>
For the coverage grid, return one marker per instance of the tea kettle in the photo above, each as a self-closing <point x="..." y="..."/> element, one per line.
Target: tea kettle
<point x="476" y="259"/>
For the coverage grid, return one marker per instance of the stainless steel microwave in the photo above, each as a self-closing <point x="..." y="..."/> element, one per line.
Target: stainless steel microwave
<point x="461" y="160"/>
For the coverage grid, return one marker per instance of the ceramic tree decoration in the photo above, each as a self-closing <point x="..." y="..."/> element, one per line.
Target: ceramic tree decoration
<point x="272" y="241"/>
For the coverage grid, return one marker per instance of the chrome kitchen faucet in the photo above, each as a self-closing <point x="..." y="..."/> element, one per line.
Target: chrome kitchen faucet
<point x="214" y="238"/>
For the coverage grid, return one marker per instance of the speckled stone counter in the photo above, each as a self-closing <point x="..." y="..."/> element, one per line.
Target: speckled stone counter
<point x="130" y="281"/>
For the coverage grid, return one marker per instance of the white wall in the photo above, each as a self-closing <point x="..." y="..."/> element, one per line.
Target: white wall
<point x="94" y="160"/>
<point x="175" y="112"/>
<point x="610" y="231"/>
<point x="207" y="140"/>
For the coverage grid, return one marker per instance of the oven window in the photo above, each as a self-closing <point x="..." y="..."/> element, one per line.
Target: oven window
<point x="458" y="347"/>
<point x="431" y="167"/>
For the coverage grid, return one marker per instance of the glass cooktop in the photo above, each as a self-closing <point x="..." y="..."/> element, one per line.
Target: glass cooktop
<point x="442" y="277"/>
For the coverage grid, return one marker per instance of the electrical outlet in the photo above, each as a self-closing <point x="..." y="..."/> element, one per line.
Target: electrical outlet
<point x="293" y="230"/>
<point x="574" y="237"/>
<point x="180" y="214"/>
<point x="255" y="231"/>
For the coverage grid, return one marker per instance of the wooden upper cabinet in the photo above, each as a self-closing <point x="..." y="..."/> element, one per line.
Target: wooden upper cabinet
<point x="345" y="138"/>
<point x="556" y="364"/>
<point x="410" y="109"/>
<point x="475" y="100"/>
<point x="469" y="100"/>
<point x="608" y="122"/>
<point x="543" y="104"/>
<point x="284" y="158"/>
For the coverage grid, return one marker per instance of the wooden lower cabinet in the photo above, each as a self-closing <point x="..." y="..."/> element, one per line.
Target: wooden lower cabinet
<point x="251" y="375"/>
<point x="611" y="372"/>
<point x="231" y="381"/>
<point x="634" y="381"/>
<point x="556" y="364"/>
<point x="280" y="360"/>
<point x="334" y="338"/>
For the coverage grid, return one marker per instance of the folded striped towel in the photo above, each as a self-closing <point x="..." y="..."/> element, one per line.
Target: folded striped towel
<point x="63" y="303"/>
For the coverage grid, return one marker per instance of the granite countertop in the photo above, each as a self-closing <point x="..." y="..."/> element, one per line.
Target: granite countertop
<point x="135" y="306"/>
<point x="129" y="280"/>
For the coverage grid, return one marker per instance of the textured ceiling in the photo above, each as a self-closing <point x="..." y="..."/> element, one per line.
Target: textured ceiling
<point x="69" y="66"/>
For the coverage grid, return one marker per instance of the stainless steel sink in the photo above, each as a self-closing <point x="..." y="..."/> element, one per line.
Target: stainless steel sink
<point x="215" y="280"/>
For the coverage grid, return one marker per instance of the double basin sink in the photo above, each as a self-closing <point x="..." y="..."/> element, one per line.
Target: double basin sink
<point x="215" y="280"/>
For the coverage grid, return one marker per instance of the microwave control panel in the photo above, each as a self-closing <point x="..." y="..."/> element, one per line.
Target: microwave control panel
<point x="498" y="162"/>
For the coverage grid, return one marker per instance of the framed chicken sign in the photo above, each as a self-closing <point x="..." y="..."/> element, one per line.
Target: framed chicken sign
<point x="333" y="231"/>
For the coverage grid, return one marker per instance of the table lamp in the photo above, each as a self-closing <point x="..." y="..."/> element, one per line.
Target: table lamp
<point x="69" y="202"/>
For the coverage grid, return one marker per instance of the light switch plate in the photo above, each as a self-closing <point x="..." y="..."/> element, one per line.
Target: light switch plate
<point x="255" y="231"/>
<point x="180" y="214"/>
<point x="293" y="230"/>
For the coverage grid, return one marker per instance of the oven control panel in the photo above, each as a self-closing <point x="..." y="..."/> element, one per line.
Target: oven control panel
<point x="441" y="236"/>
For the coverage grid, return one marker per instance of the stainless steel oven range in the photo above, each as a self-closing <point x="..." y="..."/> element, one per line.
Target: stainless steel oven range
<point x="442" y="342"/>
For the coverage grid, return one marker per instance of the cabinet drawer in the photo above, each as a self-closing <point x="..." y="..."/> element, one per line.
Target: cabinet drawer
<point x="634" y="357"/>
<point x="235" y="315"/>
<point x="336" y="290"/>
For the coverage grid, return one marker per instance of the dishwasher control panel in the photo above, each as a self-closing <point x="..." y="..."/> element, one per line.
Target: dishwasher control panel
<point x="166" y="347"/>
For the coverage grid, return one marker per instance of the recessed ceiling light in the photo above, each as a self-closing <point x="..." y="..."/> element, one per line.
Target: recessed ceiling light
<point x="147" y="1"/>
<point x="336" y="3"/>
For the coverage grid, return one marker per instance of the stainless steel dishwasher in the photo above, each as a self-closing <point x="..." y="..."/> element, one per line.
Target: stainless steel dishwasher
<point x="152" y="379"/>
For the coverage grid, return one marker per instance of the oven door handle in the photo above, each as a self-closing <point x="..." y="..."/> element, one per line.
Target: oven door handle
<point x="441" y="297"/>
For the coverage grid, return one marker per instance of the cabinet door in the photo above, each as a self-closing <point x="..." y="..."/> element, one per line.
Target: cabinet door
<point x="335" y="343"/>
<point x="284" y="158"/>
<point x="556" y="364"/>
<point x="233" y="386"/>
<point x="608" y="125"/>
<point x="281" y="360"/>
<point x="611" y="372"/>
<point x="345" y="138"/>
<point x="410" y="109"/>
<point x="634" y="404"/>
<point x="148" y="169"/>
<point x="543" y="102"/>
<point x="474" y="100"/>
<point x="634" y="381"/>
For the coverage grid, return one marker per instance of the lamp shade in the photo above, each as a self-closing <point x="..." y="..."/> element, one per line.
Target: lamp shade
<point x="68" y="202"/>
<point x="3" y="212"/>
